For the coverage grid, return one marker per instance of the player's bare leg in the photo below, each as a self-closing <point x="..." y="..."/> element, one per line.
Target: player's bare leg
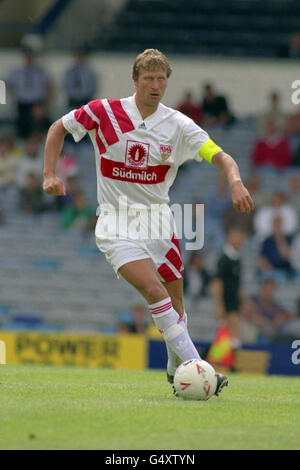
<point x="175" y="290"/>
<point x="142" y="275"/>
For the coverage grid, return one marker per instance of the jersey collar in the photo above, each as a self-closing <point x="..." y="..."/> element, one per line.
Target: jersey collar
<point x="136" y="115"/>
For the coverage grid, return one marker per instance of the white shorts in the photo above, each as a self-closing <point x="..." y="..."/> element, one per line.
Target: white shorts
<point x="132" y="246"/>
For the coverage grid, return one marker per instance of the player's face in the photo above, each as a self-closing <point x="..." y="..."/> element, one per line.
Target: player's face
<point x="150" y="86"/>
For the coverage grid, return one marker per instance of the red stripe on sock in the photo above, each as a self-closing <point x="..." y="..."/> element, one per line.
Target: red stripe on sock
<point x="174" y="259"/>
<point x="162" y="308"/>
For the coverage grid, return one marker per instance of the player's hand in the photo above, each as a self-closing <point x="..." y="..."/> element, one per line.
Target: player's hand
<point x="54" y="186"/>
<point x="241" y="199"/>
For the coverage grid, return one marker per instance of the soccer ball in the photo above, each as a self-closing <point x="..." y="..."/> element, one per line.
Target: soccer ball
<point x="195" y="379"/>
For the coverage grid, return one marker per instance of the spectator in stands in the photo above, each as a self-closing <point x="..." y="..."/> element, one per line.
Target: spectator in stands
<point x="79" y="214"/>
<point x="215" y="206"/>
<point x="226" y="284"/>
<point x="133" y="320"/>
<point x="296" y="152"/>
<point x="31" y="196"/>
<point x="254" y="185"/>
<point x="263" y="318"/>
<point x="8" y="163"/>
<point x="273" y="150"/>
<point x="140" y="316"/>
<point x="196" y="278"/>
<point x="293" y="134"/>
<point x="274" y="259"/>
<point x="124" y="322"/>
<point x="263" y="218"/>
<point x="292" y="49"/>
<point x="190" y="108"/>
<point x="31" y="162"/>
<point x="293" y="124"/>
<point x="40" y="121"/>
<point x="294" y="46"/>
<point x="72" y="187"/>
<point x="30" y="85"/>
<point x="67" y="170"/>
<point x="272" y="113"/>
<point x="295" y="254"/>
<point x="67" y="166"/>
<point x="293" y="191"/>
<point x="215" y="108"/>
<point x="80" y="81"/>
<point x="232" y="218"/>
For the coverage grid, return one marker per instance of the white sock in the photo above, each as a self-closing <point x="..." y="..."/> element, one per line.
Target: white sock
<point x="173" y="360"/>
<point x="173" y="329"/>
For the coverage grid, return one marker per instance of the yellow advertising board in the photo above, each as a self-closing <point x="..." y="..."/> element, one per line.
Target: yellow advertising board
<point x="119" y="352"/>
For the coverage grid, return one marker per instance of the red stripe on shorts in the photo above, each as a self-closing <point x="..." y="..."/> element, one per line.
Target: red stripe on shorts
<point x="166" y="273"/>
<point x="176" y="242"/>
<point x="175" y="259"/>
<point x="121" y="116"/>
<point x="106" y="126"/>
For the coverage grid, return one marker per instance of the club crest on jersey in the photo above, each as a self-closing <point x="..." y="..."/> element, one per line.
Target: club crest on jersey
<point x="137" y="154"/>
<point x="165" y="151"/>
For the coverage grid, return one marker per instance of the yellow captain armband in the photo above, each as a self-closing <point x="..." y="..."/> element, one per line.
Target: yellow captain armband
<point x="208" y="150"/>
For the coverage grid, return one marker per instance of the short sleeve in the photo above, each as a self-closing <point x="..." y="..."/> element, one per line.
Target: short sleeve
<point x="193" y="137"/>
<point x="196" y="144"/>
<point x="72" y="125"/>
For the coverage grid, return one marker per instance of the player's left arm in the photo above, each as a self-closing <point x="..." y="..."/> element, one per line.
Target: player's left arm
<point x="241" y="198"/>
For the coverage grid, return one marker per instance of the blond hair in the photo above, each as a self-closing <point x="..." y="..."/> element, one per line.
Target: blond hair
<point x="150" y="59"/>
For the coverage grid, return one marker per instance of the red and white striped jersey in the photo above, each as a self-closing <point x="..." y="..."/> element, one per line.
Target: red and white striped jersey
<point x="135" y="157"/>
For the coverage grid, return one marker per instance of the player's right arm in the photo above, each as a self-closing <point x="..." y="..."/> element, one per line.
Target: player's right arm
<point x="54" y="144"/>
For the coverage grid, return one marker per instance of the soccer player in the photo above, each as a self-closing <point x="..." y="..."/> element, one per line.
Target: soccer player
<point x="139" y="144"/>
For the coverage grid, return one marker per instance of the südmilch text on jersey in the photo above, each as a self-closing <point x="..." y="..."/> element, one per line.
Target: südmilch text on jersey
<point x="134" y="156"/>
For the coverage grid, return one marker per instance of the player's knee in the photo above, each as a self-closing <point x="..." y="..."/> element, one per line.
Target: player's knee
<point x="154" y="292"/>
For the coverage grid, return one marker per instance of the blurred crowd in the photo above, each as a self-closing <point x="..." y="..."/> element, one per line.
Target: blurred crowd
<point x="274" y="224"/>
<point x="22" y="142"/>
<point x="278" y="133"/>
<point x="273" y="227"/>
<point x="271" y="234"/>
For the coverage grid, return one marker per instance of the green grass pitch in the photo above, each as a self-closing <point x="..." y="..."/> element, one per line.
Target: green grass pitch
<point x="65" y="407"/>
